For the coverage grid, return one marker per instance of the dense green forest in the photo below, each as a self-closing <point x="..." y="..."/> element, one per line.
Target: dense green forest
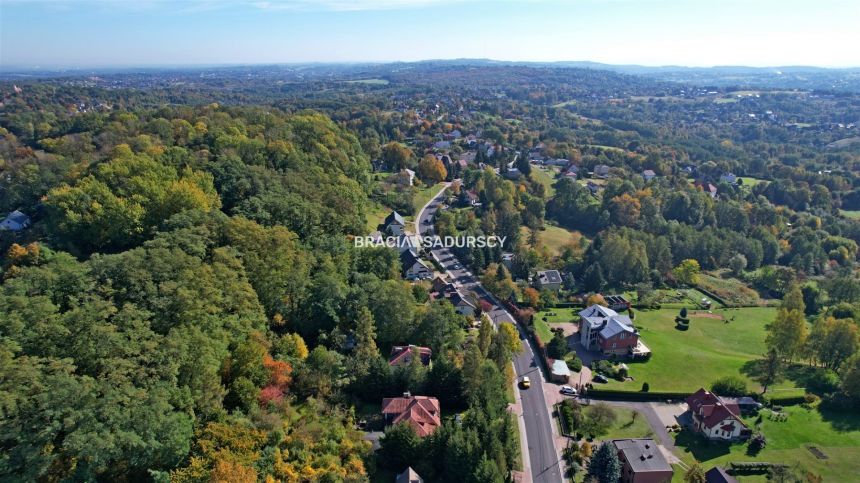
<point x="188" y="305"/>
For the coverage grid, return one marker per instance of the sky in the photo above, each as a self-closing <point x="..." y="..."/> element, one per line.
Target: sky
<point x="125" y="33"/>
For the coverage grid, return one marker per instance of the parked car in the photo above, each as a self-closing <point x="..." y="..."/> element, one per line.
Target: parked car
<point x="568" y="391"/>
<point x="600" y="378"/>
<point x="525" y="382"/>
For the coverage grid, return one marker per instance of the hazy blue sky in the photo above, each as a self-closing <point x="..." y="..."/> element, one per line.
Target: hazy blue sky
<point x="88" y="33"/>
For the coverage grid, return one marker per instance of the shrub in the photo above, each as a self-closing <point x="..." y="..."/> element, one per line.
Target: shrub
<point x="646" y="387"/>
<point x="730" y="386"/>
<point x="756" y="444"/>
<point x="573" y="363"/>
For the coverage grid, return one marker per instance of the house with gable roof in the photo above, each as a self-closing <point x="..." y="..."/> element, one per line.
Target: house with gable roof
<point x="420" y="412"/>
<point x="715" y="418"/>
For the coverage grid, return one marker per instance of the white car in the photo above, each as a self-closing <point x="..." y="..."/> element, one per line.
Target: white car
<point x="568" y="391"/>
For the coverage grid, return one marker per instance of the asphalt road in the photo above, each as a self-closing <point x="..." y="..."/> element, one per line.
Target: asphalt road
<point x="543" y="458"/>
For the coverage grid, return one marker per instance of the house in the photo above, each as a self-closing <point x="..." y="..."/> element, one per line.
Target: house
<point x="513" y="174"/>
<point x="601" y="171"/>
<point x="408" y="476"/>
<point x="718" y="475"/>
<point x="401" y="355"/>
<point x="549" y="280"/>
<point x="706" y="187"/>
<point x="508" y="260"/>
<point x="593" y="187"/>
<point x="601" y="328"/>
<point x="420" y="412"/>
<point x="729" y="178"/>
<point x="438" y="285"/>
<point x="406" y="177"/>
<point x="413" y="268"/>
<point x="394" y="224"/>
<point x="649" y="174"/>
<point x="642" y="461"/>
<point x="561" y="162"/>
<point x="461" y="304"/>
<point x="559" y="372"/>
<point x="15" y="221"/>
<point x="617" y="302"/>
<point x="442" y="145"/>
<point x="716" y="419"/>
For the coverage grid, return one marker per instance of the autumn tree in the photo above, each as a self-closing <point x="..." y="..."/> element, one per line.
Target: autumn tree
<point x="787" y="333"/>
<point x="396" y="156"/>
<point x="687" y="272"/>
<point x="431" y="169"/>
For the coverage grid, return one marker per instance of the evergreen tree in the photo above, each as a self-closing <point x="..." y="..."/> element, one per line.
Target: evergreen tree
<point x="604" y="465"/>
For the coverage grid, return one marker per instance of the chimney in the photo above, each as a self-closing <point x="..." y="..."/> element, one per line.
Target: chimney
<point x="407" y="394"/>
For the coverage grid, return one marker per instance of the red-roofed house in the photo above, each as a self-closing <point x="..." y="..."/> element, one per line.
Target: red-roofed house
<point x="401" y="355"/>
<point x="420" y="412"/>
<point x="716" y="419"/>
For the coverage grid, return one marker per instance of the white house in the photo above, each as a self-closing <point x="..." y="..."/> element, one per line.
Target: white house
<point x="394" y="224"/>
<point x="413" y="267"/>
<point x="715" y="418"/>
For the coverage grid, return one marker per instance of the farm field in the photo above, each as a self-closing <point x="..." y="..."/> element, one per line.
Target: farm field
<point x="853" y="214"/>
<point x="546" y="177"/>
<point x="712" y="347"/>
<point x="837" y="435"/>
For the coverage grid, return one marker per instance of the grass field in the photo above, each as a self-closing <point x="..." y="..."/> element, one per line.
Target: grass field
<point x="627" y="427"/>
<point x="684" y="361"/>
<point x="750" y="182"/>
<point x="731" y="290"/>
<point x="546" y="177"/>
<point x="554" y="238"/>
<point x="853" y="214"/>
<point x="542" y="330"/>
<point x="376" y="215"/>
<point x="837" y="435"/>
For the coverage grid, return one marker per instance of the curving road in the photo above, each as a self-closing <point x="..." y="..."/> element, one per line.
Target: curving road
<point x="543" y="464"/>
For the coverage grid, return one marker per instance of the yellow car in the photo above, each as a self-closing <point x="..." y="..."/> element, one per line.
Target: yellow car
<point x="525" y="382"/>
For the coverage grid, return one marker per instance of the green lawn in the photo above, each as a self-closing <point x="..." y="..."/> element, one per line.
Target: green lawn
<point x="542" y="330"/>
<point x="376" y="215"/>
<point x="684" y="361"/>
<point x="837" y="435"/>
<point x="554" y="238"/>
<point x="853" y="214"/>
<point x="750" y="181"/>
<point x="559" y="315"/>
<point x="627" y="427"/>
<point x="546" y="177"/>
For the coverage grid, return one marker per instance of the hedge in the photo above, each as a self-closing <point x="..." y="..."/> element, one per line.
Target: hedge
<point x="614" y="394"/>
<point x="786" y="400"/>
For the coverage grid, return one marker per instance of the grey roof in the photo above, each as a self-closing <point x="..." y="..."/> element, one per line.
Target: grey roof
<point x="642" y="455"/>
<point x="559" y="368"/>
<point x="18" y="217"/>
<point x="409" y="476"/>
<point x="394" y="216"/>
<point x="616" y="325"/>
<point x="718" y="475"/>
<point x="549" y="276"/>
<point x="596" y="314"/>
<point x="456" y="298"/>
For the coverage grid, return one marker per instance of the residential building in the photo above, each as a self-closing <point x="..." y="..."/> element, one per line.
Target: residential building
<point x="406" y="177"/>
<point x="601" y="171"/>
<point x="716" y="419"/>
<point x="649" y="174"/>
<point x="508" y="260"/>
<point x="15" y="221"/>
<point x="717" y="474"/>
<point x="420" y="412"/>
<point x="602" y="329"/>
<point x="642" y="461"/>
<point x="402" y="355"/>
<point x="408" y="476"/>
<point x="729" y="178"/>
<point x="706" y="187"/>
<point x="461" y="304"/>
<point x="394" y="224"/>
<point x="549" y="280"/>
<point x="413" y="267"/>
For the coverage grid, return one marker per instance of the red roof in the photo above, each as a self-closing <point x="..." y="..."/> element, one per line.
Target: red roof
<point x="402" y="354"/>
<point x="711" y="410"/>
<point x="420" y="412"/>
